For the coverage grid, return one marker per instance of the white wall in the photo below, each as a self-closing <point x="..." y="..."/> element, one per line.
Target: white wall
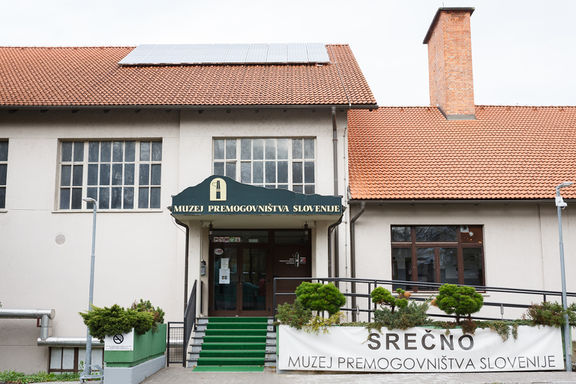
<point x="138" y="254"/>
<point x="520" y="242"/>
<point x="196" y="134"/>
<point x="198" y="129"/>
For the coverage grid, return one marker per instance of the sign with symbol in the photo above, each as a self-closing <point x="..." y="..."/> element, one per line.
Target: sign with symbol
<point x="120" y="342"/>
<point x="218" y="190"/>
<point x="118" y="339"/>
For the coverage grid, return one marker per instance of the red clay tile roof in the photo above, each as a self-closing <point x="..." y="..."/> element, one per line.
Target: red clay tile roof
<point x="506" y="153"/>
<point x="91" y="76"/>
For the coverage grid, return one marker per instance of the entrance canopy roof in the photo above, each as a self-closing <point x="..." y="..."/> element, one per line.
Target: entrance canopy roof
<point x="224" y="201"/>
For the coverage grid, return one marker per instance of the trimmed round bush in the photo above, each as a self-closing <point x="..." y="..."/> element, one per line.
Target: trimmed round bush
<point x="459" y="300"/>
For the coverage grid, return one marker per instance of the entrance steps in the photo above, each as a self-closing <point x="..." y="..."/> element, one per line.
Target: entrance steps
<point x="233" y="344"/>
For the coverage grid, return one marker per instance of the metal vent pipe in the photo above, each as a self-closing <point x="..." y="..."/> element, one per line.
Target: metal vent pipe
<point x="44" y="314"/>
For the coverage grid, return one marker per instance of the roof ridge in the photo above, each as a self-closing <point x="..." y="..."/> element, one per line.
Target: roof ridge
<point x="62" y="47"/>
<point x="122" y="46"/>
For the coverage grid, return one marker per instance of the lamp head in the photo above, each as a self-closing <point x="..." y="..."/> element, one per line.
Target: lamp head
<point x="560" y="203"/>
<point x="91" y="200"/>
<point x="565" y="184"/>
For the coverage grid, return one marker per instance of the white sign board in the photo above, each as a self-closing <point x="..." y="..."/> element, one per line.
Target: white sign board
<point x="357" y="349"/>
<point x="224" y="276"/>
<point x="121" y="342"/>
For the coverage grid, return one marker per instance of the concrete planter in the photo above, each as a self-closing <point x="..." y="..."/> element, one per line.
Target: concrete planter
<point x="146" y="357"/>
<point x="147" y="346"/>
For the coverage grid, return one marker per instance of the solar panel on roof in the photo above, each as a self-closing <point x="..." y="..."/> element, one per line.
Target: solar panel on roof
<point x="236" y="53"/>
<point x="178" y="54"/>
<point x="257" y="53"/>
<point x="297" y="53"/>
<point x="319" y="52"/>
<point x="277" y="53"/>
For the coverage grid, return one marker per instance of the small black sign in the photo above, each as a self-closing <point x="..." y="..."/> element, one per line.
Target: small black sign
<point x="118" y="339"/>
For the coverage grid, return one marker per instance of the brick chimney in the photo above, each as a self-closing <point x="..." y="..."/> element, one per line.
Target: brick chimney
<point x="450" y="63"/>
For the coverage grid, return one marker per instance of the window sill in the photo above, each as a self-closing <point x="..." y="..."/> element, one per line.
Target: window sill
<point x="104" y="211"/>
<point x="3" y="210"/>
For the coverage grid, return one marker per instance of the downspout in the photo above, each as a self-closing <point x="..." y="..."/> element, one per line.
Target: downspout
<point x="186" y="249"/>
<point x="353" y="255"/>
<point x="331" y="228"/>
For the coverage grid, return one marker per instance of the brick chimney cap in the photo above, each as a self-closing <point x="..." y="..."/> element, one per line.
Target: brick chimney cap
<point x="437" y="16"/>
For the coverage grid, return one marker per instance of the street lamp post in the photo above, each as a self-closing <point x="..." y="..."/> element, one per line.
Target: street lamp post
<point x="560" y="204"/>
<point x="88" y="358"/>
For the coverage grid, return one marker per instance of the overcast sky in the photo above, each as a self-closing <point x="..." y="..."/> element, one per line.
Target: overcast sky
<point x="524" y="52"/>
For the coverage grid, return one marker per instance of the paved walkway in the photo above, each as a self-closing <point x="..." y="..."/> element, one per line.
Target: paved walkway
<point x="179" y="375"/>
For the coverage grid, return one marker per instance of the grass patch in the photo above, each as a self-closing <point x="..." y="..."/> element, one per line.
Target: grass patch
<point x="14" y="377"/>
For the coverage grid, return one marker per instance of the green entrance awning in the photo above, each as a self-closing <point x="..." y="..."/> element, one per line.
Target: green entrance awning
<point x="219" y="196"/>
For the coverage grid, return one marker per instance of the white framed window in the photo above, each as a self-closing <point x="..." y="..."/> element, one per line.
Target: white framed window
<point x="283" y="163"/>
<point x="121" y="175"/>
<point x="71" y="359"/>
<point x="3" y="171"/>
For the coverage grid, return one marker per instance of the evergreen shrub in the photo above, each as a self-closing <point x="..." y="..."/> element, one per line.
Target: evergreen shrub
<point x="114" y="320"/>
<point x="551" y="313"/>
<point x="411" y="315"/>
<point x="320" y="297"/>
<point x="459" y="300"/>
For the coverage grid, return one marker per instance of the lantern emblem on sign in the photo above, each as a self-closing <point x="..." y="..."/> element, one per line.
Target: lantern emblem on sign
<point x="218" y="190"/>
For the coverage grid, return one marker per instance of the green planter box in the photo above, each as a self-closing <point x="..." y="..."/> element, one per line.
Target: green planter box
<point x="150" y="345"/>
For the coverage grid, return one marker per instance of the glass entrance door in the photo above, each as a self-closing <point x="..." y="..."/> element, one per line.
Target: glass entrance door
<point x="253" y="279"/>
<point x="243" y="264"/>
<point x="225" y="278"/>
<point x="239" y="276"/>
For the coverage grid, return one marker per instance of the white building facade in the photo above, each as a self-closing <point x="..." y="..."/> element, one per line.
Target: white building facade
<point x="453" y="192"/>
<point x="462" y="193"/>
<point x="133" y="158"/>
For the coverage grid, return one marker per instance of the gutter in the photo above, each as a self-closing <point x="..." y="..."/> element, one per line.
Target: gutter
<point x="188" y="106"/>
<point x="45" y="315"/>
<point x="353" y="254"/>
<point x="455" y="201"/>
